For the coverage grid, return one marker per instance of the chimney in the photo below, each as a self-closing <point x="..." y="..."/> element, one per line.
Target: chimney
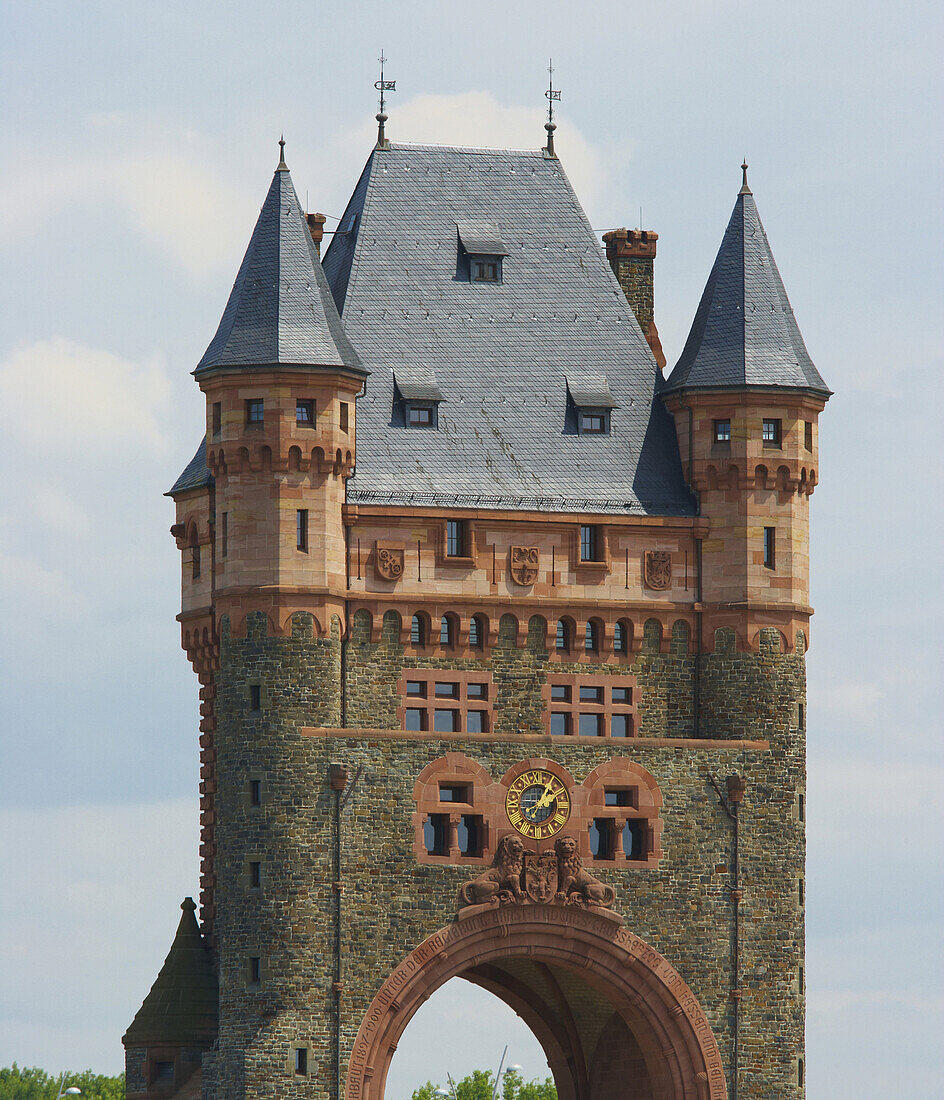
<point x="631" y="253"/>
<point x="316" y="229"/>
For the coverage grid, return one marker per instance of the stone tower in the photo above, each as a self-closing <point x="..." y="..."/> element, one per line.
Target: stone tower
<point x="511" y="685"/>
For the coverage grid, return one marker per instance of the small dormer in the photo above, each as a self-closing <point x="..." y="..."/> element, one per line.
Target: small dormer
<point x="481" y="252"/>
<point x="416" y="398"/>
<point x="589" y="404"/>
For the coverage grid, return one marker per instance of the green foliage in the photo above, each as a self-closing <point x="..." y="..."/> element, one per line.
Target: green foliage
<point x="479" y="1084"/>
<point x="36" y="1084"/>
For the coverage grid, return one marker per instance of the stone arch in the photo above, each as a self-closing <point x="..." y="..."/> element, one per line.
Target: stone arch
<point x="508" y="630"/>
<point x="499" y="948"/>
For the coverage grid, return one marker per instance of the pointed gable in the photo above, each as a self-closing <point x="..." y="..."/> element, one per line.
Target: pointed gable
<point x="280" y="310"/>
<point x="744" y="332"/>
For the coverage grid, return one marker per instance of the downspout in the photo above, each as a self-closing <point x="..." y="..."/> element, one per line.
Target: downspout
<point x="337" y="774"/>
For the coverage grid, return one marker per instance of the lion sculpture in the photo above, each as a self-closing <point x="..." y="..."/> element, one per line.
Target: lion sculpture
<point x="574" y="884"/>
<point x="501" y="883"/>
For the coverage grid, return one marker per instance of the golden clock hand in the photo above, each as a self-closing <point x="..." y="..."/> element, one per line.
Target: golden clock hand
<point x="546" y="798"/>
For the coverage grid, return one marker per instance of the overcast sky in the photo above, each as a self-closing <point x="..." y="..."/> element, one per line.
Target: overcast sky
<point x="137" y="141"/>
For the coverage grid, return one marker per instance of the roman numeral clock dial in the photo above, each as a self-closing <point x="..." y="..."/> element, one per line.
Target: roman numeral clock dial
<point x="538" y="804"/>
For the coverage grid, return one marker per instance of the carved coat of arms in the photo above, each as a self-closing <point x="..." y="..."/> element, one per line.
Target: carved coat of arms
<point x="658" y="569"/>
<point x="388" y="561"/>
<point x="541" y="877"/>
<point x="524" y="564"/>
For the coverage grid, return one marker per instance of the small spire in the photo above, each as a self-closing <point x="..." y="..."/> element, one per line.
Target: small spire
<point x="383" y="86"/>
<point x="552" y="96"/>
<point x="283" y="167"/>
<point x="745" y="190"/>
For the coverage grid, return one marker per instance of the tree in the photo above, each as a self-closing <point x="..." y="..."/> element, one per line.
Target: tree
<point x="479" y="1084"/>
<point x="36" y="1084"/>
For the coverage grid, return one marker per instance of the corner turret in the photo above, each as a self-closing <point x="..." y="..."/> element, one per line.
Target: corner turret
<point x="746" y="399"/>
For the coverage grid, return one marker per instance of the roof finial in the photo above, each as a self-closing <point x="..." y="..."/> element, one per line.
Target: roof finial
<point x="383" y="86"/>
<point x="745" y="190"/>
<point x="552" y="97"/>
<point x="283" y="167"/>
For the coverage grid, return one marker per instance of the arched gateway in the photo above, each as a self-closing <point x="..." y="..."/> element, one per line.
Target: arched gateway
<point x="616" y="1020"/>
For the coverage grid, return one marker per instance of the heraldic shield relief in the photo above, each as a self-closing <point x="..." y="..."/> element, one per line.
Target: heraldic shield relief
<point x="388" y="561"/>
<point x="524" y="564"/>
<point x="658" y="569"/>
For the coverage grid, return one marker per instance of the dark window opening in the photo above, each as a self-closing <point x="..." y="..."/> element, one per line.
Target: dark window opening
<point x="446" y="721"/>
<point x="470" y="835"/>
<point x="476" y="632"/>
<point x="591" y="693"/>
<point x="621" y="725"/>
<point x="414" y="719"/>
<point x="800" y="1072"/>
<point x="771" y="433"/>
<point x="255" y="873"/>
<point x="560" y="693"/>
<point x="589" y="543"/>
<point x="447" y="634"/>
<point x="477" y="721"/>
<point x="560" y="725"/>
<point x="634" y="840"/>
<point x="800" y="978"/>
<point x="770" y="547"/>
<point x="447" y="690"/>
<point x="623" y="695"/>
<point x="255" y="970"/>
<point x="255" y="414"/>
<point x="416" y="688"/>
<point x="418" y="631"/>
<point x="301" y="529"/>
<point x="477" y="691"/>
<point x="563" y="641"/>
<point x="436" y="834"/>
<point x="590" y="725"/>
<point x="619" y="638"/>
<point x="486" y="271"/>
<point x="255" y="792"/>
<point x="195" y="557"/>
<point x="801" y="808"/>
<point x="224" y="534"/>
<point x="217" y="419"/>
<point x="305" y="413"/>
<point x="801" y="716"/>
<point x="163" y="1071"/>
<point x="722" y="431"/>
<point x="255" y="697"/>
<point x="455" y="538"/>
<point x="343" y="416"/>
<point x="601" y="838"/>
<point x="419" y="416"/>
<point x="808" y="434"/>
<point x="801" y="892"/>
<point x="619" y="797"/>
<point x="592" y="639"/>
<point x="455" y="792"/>
<point x="594" y="423"/>
<point x="301" y="1061"/>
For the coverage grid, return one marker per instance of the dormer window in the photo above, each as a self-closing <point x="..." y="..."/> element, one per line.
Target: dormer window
<point x="416" y="397"/>
<point x="594" y="422"/>
<point x="481" y="252"/>
<point x="589" y="404"/>
<point x="420" y="416"/>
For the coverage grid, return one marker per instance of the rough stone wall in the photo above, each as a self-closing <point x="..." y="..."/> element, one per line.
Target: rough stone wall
<point x="391" y="903"/>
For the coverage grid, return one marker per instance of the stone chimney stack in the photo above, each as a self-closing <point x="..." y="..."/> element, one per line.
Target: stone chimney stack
<point x="316" y="229"/>
<point x="631" y="253"/>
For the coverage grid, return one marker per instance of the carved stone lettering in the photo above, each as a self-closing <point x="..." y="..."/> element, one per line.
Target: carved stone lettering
<point x="658" y="569"/>
<point x="524" y="564"/>
<point x="388" y="561"/>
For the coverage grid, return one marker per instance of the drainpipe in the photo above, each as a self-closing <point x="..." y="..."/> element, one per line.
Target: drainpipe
<point x="337" y="775"/>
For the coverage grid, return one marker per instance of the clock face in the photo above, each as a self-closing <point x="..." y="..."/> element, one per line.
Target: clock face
<point x="538" y="804"/>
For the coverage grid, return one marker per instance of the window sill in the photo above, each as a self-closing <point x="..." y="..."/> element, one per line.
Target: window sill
<point x="597" y="565"/>
<point x="768" y="446"/>
<point x="463" y="561"/>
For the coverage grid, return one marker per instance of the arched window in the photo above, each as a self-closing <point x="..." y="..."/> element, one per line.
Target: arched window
<point x="447" y="635"/>
<point x="562" y="635"/>
<point x="592" y="641"/>
<point x="418" y="631"/>
<point x="619" y="637"/>
<point x="476" y="632"/>
<point x="194" y="553"/>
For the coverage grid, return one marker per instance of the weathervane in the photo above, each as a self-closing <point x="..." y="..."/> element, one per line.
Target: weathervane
<point x="383" y="86"/>
<point x="552" y="95"/>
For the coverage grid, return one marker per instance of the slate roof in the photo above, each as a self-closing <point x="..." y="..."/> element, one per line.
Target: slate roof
<point x="182" y="1005"/>
<point x="744" y="332"/>
<point x="501" y="352"/>
<point x="280" y="310"/>
<point x="196" y="474"/>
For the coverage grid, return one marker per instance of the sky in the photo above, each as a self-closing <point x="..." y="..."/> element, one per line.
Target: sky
<point x="137" y="142"/>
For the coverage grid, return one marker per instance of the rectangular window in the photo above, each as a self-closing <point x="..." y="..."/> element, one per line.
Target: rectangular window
<point x="455" y="538"/>
<point x="301" y="1061"/>
<point x="255" y="414"/>
<point x="195" y="560"/>
<point x="255" y="970"/>
<point x="255" y="873"/>
<point x="485" y="271"/>
<point x="770" y="547"/>
<point x="771" y="433"/>
<point x="255" y="697"/>
<point x="301" y="529"/>
<point x="634" y="840"/>
<point x="623" y="695"/>
<point x="722" y="431"/>
<point x="454" y="792"/>
<point x="477" y="691"/>
<point x="594" y="423"/>
<point x="477" y="721"/>
<point x="255" y="792"/>
<point x="224" y="534"/>
<point x="436" y="834"/>
<point x="808" y="434"/>
<point x="590" y="725"/>
<point x="470" y="835"/>
<point x="419" y="416"/>
<point x="560" y="725"/>
<point x="801" y="716"/>
<point x="447" y="690"/>
<point x="163" y="1071"/>
<point x="217" y="419"/>
<point x="614" y="796"/>
<point x="589" y="543"/>
<point x="560" y="693"/>
<point x="415" y="718"/>
<point x="416" y="688"/>
<point x="305" y="413"/>
<point x="590" y="693"/>
<point x="621" y="725"/>
<point x="446" y="721"/>
<point x="343" y="416"/>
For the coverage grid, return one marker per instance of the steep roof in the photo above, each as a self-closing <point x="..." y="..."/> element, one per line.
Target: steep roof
<point x="196" y="474"/>
<point x="501" y="353"/>
<point x="182" y="1006"/>
<point x="744" y="332"/>
<point x="280" y="310"/>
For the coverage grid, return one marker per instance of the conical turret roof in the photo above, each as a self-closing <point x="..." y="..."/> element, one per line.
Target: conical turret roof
<point x="280" y="310"/>
<point x="744" y="332"/>
<point x="182" y="1006"/>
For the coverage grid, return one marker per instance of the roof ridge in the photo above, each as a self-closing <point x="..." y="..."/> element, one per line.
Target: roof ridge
<point x="537" y="154"/>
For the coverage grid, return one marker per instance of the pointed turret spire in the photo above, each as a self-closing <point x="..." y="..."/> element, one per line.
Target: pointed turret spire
<point x="744" y="332"/>
<point x="282" y="166"/>
<point x="280" y="311"/>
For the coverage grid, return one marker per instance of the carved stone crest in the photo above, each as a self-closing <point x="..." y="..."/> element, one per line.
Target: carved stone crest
<point x="540" y="877"/>
<point x="524" y="564"/>
<point x="388" y="561"/>
<point x="658" y="569"/>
